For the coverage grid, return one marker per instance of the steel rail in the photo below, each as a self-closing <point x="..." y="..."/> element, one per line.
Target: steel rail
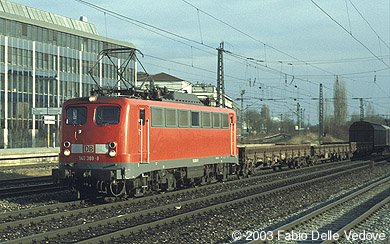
<point x="360" y="219"/>
<point x="24" y="180"/>
<point x="294" y="224"/>
<point x="229" y="198"/>
<point x="29" y="190"/>
<point x="27" y="213"/>
<point x="27" y="216"/>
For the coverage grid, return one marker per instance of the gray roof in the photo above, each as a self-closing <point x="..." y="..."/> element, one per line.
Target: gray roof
<point x="25" y="14"/>
<point x="39" y="15"/>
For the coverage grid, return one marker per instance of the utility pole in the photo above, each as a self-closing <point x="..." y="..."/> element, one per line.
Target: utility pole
<point x="220" y="78"/>
<point x="298" y="120"/>
<point x="321" y="117"/>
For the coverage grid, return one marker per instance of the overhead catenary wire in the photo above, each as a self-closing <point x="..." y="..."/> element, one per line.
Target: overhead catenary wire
<point x="250" y="36"/>
<point x="353" y="36"/>
<point x="264" y="66"/>
<point x="159" y="31"/>
<point x="368" y="23"/>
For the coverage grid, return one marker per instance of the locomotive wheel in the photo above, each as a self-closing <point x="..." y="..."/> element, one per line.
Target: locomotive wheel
<point x="117" y="188"/>
<point x="171" y="181"/>
<point x="313" y="161"/>
<point x="290" y="164"/>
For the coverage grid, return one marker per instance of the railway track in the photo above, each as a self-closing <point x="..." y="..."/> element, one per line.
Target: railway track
<point x="106" y="222"/>
<point x="27" y="186"/>
<point x="334" y="221"/>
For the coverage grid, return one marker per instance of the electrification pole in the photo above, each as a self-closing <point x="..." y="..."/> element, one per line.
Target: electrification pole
<point x="361" y="106"/>
<point x="220" y="78"/>
<point x="321" y="116"/>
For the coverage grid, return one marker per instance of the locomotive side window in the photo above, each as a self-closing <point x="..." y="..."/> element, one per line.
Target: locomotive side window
<point x="76" y="115"/>
<point x="157" y="116"/>
<point x="216" y="120"/>
<point x="206" y="119"/>
<point x="225" y="120"/>
<point x="170" y="115"/>
<point x="195" y="120"/>
<point x="184" y="118"/>
<point x="107" y="115"/>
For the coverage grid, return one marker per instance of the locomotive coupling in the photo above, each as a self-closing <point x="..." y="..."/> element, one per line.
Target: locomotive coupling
<point x="61" y="174"/>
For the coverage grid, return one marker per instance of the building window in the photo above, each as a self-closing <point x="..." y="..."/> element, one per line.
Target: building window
<point x="2" y="53"/>
<point x="9" y="56"/>
<point x="24" y="30"/>
<point x="2" y="78"/>
<point x="24" y="57"/>
<point x="2" y="26"/>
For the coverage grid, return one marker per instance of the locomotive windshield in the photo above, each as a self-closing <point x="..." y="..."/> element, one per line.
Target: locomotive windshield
<point x="107" y="115"/>
<point x="76" y="115"/>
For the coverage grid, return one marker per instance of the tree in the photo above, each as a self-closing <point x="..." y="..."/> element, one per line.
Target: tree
<point x="370" y="115"/>
<point x="340" y="102"/>
<point x="265" y="116"/>
<point x="254" y="121"/>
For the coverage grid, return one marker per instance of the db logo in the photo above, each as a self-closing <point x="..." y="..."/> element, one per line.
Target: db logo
<point x="89" y="148"/>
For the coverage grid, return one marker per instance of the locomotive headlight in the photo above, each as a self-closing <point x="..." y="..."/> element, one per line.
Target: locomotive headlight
<point x="66" y="152"/>
<point x="112" y="144"/>
<point x="66" y="144"/>
<point x="112" y="153"/>
<point x="92" y="99"/>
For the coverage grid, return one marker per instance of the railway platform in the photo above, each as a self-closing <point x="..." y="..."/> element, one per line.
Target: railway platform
<point x="25" y="156"/>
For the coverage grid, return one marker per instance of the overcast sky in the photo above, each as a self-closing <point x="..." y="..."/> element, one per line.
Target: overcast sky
<point x="278" y="50"/>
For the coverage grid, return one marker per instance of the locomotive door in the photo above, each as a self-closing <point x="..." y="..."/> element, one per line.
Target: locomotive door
<point x="143" y="133"/>
<point x="233" y="136"/>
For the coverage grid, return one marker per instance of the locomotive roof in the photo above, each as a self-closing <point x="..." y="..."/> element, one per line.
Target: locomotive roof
<point x="136" y="101"/>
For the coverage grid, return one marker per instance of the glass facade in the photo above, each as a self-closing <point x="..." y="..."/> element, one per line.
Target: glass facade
<point x="40" y="67"/>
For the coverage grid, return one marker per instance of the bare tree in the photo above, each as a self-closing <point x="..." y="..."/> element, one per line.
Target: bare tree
<point x="265" y="115"/>
<point x="340" y="102"/>
<point x="254" y="121"/>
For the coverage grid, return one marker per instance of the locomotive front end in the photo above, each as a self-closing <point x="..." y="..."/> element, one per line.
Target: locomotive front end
<point x="93" y="145"/>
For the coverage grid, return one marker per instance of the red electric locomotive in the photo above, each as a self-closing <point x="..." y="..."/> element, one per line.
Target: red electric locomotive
<point x="117" y="145"/>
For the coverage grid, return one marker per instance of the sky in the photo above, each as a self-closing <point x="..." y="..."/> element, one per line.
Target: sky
<point x="277" y="51"/>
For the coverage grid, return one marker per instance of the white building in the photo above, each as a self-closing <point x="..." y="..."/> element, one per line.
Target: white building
<point x="165" y="80"/>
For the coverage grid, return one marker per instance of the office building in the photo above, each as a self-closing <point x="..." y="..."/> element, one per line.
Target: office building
<point x="45" y="59"/>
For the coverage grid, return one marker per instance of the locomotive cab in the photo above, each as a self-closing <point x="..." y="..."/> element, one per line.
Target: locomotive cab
<point x="90" y="150"/>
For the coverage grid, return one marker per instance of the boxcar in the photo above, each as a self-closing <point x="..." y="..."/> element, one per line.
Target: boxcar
<point x="370" y="137"/>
